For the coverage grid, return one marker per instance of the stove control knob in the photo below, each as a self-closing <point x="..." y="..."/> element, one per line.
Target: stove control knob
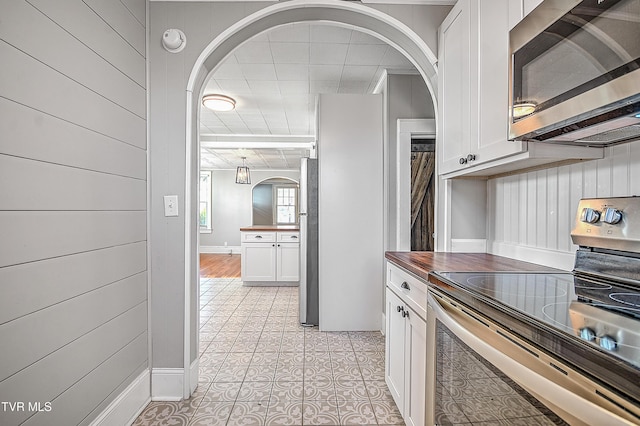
<point x="608" y="343"/>
<point x="587" y="334"/>
<point x="612" y="215"/>
<point x="590" y="215"/>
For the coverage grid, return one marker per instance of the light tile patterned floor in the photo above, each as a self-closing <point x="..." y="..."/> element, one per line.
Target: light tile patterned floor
<point x="258" y="366"/>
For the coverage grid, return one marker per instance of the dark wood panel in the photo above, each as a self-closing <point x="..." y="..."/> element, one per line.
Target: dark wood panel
<point x="421" y="263"/>
<point x="422" y="200"/>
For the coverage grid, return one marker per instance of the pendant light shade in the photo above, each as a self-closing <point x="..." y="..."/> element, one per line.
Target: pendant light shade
<point x="242" y="173"/>
<point x="219" y="102"/>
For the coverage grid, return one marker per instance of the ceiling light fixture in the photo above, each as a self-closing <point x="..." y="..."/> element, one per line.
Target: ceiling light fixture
<point x="523" y="108"/>
<point x="219" y="102"/>
<point x="242" y="173"/>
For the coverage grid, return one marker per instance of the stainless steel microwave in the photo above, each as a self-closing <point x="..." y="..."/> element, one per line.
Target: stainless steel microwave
<point x="574" y="73"/>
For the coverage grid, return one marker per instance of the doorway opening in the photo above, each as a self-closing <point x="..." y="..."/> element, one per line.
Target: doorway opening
<point x="366" y="19"/>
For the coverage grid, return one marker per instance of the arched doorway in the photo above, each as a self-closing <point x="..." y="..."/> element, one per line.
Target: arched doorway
<point x="364" y="18"/>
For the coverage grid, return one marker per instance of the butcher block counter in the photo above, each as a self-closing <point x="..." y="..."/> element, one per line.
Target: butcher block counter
<point x="421" y="263"/>
<point x="270" y="228"/>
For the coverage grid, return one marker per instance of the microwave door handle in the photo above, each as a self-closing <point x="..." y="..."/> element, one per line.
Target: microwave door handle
<point x="556" y="396"/>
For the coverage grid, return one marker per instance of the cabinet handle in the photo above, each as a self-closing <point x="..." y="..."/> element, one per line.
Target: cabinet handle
<point x="463" y="160"/>
<point x="405" y="286"/>
<point x="294" y="237"/>
<point x="400" y="309"/>
<point x="471" y="157"/>
<point x="405" y="314"/>
<point x="258" y="237"/>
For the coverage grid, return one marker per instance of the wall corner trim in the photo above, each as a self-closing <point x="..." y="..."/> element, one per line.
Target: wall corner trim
<point x="129" y="404"/>
<point x="167" y="384"/>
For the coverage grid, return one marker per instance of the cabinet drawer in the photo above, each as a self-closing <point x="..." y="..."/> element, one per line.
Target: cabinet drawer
<point x="288" y="237"/>
<point x="410" y="289"/>
<point x="258" y="237"/>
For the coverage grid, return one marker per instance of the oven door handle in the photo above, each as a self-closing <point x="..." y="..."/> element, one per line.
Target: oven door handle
<point x="541" y="387"/>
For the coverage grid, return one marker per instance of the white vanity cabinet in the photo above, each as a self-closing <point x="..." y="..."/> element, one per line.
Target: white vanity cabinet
<point x="270" y="257"/>
<point x="406" y="343"/>
<point x="473" y="98"/>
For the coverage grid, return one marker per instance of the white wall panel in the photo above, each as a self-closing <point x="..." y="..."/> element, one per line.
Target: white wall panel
<point x="45" y="186"/>
<point x="95" y="73"/>
<point x="80" y="273"/>
<point x="38" y="334"/>
<point x="62" y="368"/>
<point x="73" y="249"/>
<point x="96" y="388"/>
<point x="550" y="198"/>
<point x="85" y="25"/>
<point x="137" y="9"/>
<point x="29" y="133"/>
<point x="118" y="17"/>
<point x="31" y="236"/>
<point x="25" y="80"/>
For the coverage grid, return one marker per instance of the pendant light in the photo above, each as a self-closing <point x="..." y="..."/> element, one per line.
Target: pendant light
<point x="242" y="173"/>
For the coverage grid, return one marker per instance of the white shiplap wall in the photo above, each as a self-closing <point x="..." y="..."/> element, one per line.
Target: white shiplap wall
<point x="530" y="215"/>
<point x="73" y="200"/>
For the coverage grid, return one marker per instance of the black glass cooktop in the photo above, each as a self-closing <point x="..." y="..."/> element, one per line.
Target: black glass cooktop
<point x="603" y="315"/>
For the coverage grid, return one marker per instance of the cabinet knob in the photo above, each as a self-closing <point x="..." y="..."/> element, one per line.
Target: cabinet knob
<point x="273" y="245"/>
<point x="471" y="157"/>
<point x="400" y="308"/>
<point x="612" y="216"/>
<point x="463" y="160"/>
<point x="405" y="285"/>
<point x="405" y="314"/>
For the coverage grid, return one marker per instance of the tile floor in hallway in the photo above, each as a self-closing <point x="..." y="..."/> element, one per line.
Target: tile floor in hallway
<point x="258" y="366"/>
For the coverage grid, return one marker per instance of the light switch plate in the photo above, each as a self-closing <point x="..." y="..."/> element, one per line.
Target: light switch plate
<point x="171" y="205"/>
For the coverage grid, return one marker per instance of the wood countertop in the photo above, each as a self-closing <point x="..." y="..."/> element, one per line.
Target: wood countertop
<point x="271" y="228"/>
<point x="421" y="263"/>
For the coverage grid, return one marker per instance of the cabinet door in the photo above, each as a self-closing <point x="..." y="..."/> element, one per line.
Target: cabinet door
<point x="258" y="262"/>
<point x="416" y="362"/>
<point x="394" y="349"/>
<point x="454" y="91"/>
<point x="491" y="113"/>
<point x="288" y="268"/>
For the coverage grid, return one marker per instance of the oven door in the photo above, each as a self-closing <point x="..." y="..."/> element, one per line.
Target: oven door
<point x="465" y="386"/>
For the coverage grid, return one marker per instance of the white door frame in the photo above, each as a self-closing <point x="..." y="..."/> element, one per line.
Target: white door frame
<point x="363" y="18"/>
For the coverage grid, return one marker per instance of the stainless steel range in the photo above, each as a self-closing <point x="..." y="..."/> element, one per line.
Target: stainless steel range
<point x="569" y="341"/>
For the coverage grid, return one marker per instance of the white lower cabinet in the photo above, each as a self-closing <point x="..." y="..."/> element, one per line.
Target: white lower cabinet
<point x="273" y="261"/>
<point x="406" y="358"/>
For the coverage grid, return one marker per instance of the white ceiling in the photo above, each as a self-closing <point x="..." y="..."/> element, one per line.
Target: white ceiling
<point x="275" y="78"/>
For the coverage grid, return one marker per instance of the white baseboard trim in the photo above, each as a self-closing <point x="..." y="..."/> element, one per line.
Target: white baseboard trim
<point x="193" y="374"/>
<point x="468" y="245"/>
<point x="220" y="249"/>
<point x="551" y="258"/>
<point x="167" y="384"/>
<point x="129" y="404"/>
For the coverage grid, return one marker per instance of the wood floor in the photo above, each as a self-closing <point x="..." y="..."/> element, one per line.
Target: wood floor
<point x="219" y="265"/>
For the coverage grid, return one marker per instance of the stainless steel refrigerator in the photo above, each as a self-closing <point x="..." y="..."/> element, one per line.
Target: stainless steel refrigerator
<point x="309" y="311"/>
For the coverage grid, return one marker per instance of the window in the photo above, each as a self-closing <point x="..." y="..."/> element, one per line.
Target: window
<point x="205" y="201"/>
<point x="286" y="204"/>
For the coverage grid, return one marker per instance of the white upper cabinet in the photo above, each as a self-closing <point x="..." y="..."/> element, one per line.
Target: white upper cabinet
<point x="518" y="9"/>
<point x="473" y="95"/>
